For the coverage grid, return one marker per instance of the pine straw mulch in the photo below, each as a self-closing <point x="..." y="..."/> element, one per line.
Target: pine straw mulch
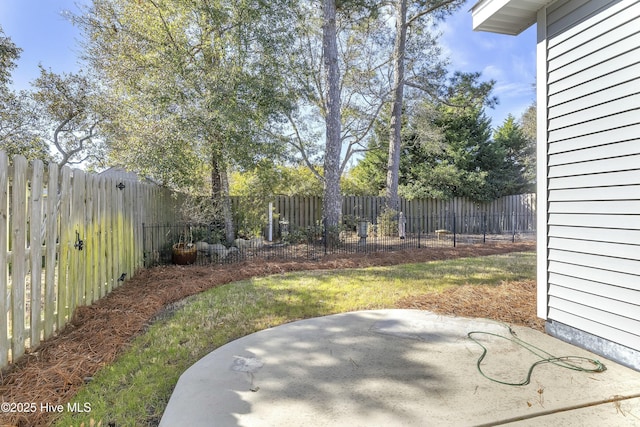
<point x="510" y="302"/>
<point x="97" y="334"/>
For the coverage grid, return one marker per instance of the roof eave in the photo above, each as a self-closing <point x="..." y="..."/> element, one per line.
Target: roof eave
<point x="506" y="16"/>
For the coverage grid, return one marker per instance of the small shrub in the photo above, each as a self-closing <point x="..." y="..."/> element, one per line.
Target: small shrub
<point x="388" y="223"/>
<point x="350" y="222"/>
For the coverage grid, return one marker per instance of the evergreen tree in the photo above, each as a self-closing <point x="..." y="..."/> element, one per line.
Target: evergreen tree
<point x="508" y="176"/>
<point x="454" y="163"/>
<point x="529" y="128"/>
<point x="367" y="177"/>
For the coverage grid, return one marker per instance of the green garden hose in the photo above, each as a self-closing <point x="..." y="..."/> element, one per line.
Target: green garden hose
<point x="545" y="357"/>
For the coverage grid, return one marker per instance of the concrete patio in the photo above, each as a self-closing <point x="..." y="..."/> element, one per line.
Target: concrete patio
<point x="398" y="368"/>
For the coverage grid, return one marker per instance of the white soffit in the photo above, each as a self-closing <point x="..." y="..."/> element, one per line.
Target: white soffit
<point x="506" y="16"/>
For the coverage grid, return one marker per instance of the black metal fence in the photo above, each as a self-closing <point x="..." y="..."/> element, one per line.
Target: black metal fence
<point x="204" y="244"/>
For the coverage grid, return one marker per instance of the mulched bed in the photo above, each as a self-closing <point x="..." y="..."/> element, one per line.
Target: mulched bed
<point x="511" y="302"/>
<point x="55" y="371"/>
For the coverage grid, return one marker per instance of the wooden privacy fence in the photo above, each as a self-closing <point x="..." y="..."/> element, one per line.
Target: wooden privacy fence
<point x="509" y="212"/>
<point x="67" y="238"/>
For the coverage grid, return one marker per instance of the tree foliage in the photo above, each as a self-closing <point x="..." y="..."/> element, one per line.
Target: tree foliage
<point x="454" y="164"/>
<point x="9" y="54"/>
<point x="417" y="64"/>
<point x="448" y="149"/>
<point x="339" y="80"/>
<point x="67" y="115"/>
<point x="17" y="115"/>
<point x="268" y="179"/>
<point x="199" y="78"/>
<point x="512" y="174"/>
<point x="528" y="122"/>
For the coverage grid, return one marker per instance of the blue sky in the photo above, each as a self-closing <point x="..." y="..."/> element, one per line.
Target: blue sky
<point x="38" y="27"/>
<point x="509" y="60"/>
<point x="45" y="36"/>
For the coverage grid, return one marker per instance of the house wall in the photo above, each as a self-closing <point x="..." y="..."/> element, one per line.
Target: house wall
<point x="592" y="162"/>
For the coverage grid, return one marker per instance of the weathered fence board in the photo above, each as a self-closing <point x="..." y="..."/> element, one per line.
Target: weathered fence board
<point x="507" y="215"/>
<point x="35" y="246"/>
<point x="67" y="238"/>
<point x="51" y="235"/>
<point x="509" y="212"/>
<point x="4" y="271"/>
<point x="18" y="256"/>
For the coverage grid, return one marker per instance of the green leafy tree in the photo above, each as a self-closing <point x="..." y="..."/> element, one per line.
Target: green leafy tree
<point x="17" y="114"/>
<point x="444" y="142"/>
<point x="18" y="123"/>
<point x="337" y="71"/>
<point x="528" y="122"/>
<point x="509" y="172"/>
<point x="413" y="66"/>
<point x="67" y="117"/>
<point x="257" y="187"/>
<point x="9" y="54"/>
<point x="447" y="151"/>
<point x="367" y="177"/>
<point x="454" y="162"/>
<point x="198" y="81"/>
<point x="269" y="179"/>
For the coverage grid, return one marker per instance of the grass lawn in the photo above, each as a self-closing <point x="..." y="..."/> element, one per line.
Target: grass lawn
<point x="135" y="389"/>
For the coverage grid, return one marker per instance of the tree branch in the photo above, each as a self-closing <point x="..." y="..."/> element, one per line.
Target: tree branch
<point x="428" y="11"/>
<point x="301" y="149"/>
<point x="56" y="132"/>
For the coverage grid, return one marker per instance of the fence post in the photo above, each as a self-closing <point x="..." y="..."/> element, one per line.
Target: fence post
<point x="145" y="258"/>
<point x="454" y="229"/>
<point x="513" y="225"/>
<point x="324" y="234"/>
<point x="484" y="227"/>
<point x="270" y="232"/>
<point x="4" y="262"/>
<point x="426" y="222"/>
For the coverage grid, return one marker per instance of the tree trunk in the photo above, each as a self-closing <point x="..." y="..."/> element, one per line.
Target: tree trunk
<point x="220" y="197"/>
<point x="395" y="136"/>
<point x="227" y="213"/>
<point x="332" y="204"/>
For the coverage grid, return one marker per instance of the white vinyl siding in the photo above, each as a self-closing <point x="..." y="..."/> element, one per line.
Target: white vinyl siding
<point x="606" y="222"/>
<point x="542" y="150"/>
<point x="593" y="167"/>
<point x="602" y="180"/>
<point x="605" y="235"/>
<point x="626" y="148"/>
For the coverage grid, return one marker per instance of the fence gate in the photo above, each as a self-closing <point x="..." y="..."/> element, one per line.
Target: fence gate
<point x="67" y="238"/>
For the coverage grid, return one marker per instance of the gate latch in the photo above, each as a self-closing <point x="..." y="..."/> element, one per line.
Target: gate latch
<point x="79" y="244"/>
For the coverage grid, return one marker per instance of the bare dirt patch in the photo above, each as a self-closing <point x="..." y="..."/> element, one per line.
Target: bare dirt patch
<point x="55" y="371"/>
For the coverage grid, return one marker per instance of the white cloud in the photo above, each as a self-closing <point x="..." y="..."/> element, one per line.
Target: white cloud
<point x="492" y="72"/>
<point x="513" y="90"/>
<point x="509" y="60"/>
<point x="485" y="42"/>
<point x="524" y="67"/>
